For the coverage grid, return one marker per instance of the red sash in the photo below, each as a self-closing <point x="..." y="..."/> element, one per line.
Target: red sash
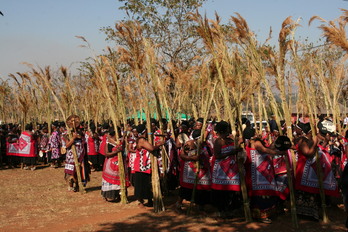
<point x="306" y="174"/>
<point x="260" y="177"/>
<point x="225" y="174"/>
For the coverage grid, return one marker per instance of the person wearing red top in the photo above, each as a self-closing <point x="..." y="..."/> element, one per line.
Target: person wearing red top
<point x="142" y="167"/>
<point x="92" y="140"/>
<point x="131" y="148"/>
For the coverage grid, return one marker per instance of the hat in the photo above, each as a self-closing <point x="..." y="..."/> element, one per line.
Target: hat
<point x="282" y="143"/>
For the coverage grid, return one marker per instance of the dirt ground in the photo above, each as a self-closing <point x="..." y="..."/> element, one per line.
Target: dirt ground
<point x="39" y="201"/>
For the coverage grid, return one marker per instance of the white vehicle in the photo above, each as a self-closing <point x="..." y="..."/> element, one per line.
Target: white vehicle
<point x="264" y="124"/>
<point x="248" y="115"/>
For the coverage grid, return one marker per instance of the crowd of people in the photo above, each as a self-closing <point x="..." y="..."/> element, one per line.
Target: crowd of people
<point x="207" y="166"/>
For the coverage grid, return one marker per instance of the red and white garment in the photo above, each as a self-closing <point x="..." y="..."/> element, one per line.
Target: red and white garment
<point x="24" y="147"/>
<point x="111" y="170"/>
<point x="132" y="155"/>
<point x="142" y="161"/>
<point x="225" y="174"/>
<point x="260" y="176"/>
<point x="306" y="173"/>
<point x="188" y="171"/>
<point x="157" y="139"/>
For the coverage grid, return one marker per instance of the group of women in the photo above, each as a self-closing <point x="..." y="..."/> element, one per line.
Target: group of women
<point x="212" y="165"/>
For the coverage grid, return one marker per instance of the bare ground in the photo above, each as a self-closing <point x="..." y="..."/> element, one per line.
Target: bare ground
<point x="39" y="201"/>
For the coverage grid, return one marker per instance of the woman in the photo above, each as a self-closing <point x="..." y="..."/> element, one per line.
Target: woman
<point x="142" y="167"/>
<point x="188" y="171"/>
<point x="111" y="183"/>
<point x="131" y="148"/>
<point x="307" y="183"/>
<point x="55" y="144"/>
<point x="27" y="147"/>
<point x="225" y="176"/>
<point x="92" y="140"/>
<point x="78" y="141"/>
<point x="260" y="179"/>
<point x="43" y="146"/>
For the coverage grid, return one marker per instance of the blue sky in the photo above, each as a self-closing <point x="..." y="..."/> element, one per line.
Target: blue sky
<point x="42" y="32"/>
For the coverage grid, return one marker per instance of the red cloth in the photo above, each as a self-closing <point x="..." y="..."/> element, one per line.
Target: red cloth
<point x="280" y="172"/>
<point x="225" y="173"/>
<point x="103" y="145"/>
<point x="111" y="171"/>
<point x="91" y="144"/>
<point x="189" y="170"/>
<point x="260" y="177"/>
<point x="142" y="162"/>
<point x="306" y="174"/>
<point x="131" y="155"/>
<point x="11" y="148"/>
<point x="24" y="147"/>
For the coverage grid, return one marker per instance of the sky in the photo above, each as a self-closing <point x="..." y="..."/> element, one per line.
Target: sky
<point x="42" y="32"/>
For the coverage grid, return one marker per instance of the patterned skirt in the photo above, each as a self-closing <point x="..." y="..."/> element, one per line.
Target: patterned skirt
<point x="307" y="204"/>
<point x="110" y="191"/>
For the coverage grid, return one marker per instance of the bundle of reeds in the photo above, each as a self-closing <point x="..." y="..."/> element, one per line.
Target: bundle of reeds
<point x="136" y="54"/>
<point x="227" y="66"/>
<point x="45" y="76"/>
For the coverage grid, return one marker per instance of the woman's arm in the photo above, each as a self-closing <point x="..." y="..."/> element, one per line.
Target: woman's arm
<point x="143" y="143"/>
<point x="271" y="151"/>
<point x="114" y="151"/>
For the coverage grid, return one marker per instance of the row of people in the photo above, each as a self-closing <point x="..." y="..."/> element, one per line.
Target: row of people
<point x="213" y="168"/>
